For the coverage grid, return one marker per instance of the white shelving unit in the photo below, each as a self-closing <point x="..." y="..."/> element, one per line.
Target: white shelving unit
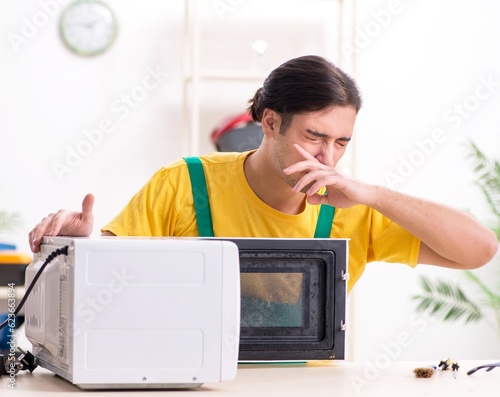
<point x="194" y="75"/>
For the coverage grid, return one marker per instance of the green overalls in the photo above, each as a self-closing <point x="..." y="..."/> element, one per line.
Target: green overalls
<point x="202" y="206"/>
<point x="254" y="312"/>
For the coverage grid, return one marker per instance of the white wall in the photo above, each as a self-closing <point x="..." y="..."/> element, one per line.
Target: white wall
<point x="428" y="59"/>
<point x="50" y="97"/>
<point x="419" y="63"/>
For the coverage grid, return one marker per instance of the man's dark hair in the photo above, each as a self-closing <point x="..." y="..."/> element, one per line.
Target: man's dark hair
<point x="305" y="84"/>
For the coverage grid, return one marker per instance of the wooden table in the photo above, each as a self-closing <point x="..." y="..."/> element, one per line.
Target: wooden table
<point x="338" y="378"/>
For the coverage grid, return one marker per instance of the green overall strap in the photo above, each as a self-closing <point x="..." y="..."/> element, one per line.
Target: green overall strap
<point x="325" y="220"/>
<point x="200" y="196"/>
<point x="202" y="206"/>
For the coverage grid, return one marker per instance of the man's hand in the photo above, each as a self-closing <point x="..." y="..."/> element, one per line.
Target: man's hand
<point x="341" y="191"/>
<point x="64" y="223"/>
<point x="449" y="237"/>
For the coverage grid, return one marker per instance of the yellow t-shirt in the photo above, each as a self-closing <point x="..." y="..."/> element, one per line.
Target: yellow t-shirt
<point x="164" y="207"/>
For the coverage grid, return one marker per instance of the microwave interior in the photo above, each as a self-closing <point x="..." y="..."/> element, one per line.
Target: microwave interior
<point x="293" y="299"/>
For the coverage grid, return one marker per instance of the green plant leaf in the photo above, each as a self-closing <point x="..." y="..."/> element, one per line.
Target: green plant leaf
<point x="493" y="298"/>
<point x="488" y="180"/>
<point x="9" y="221"/>
<point x="446" y="300"/>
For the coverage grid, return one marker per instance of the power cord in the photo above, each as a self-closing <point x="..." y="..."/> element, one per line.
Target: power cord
<point x="50" y="258"/>
<point x="25" y="360"/>
<point x="13" y="363"/>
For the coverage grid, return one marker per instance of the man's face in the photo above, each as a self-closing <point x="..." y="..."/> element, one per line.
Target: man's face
<point x="324" y="134"/>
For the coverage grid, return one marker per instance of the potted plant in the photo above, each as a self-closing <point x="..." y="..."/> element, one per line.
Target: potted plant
<point x="447" y="300"/>
<point x="9" y="221"/>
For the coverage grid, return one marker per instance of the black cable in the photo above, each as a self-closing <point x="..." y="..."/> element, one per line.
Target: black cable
<point x="50" y="258"/>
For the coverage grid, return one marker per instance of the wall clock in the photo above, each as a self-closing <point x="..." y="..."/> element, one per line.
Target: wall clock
<point x="88" y="27"/>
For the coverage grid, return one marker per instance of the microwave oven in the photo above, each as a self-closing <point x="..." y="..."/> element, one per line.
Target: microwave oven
<point x="119" y="313"/>
<point x="178" y="312"/>
<point x="293" y="298"/>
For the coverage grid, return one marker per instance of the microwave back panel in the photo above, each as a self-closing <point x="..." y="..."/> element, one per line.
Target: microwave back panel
<point x="148" y="313"/>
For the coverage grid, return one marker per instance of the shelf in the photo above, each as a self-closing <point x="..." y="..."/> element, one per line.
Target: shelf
<point x="228" y="76"/>
<point x="194" y="75"/>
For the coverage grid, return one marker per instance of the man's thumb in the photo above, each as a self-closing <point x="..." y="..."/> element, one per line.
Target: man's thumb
<point x="87" y="205"/>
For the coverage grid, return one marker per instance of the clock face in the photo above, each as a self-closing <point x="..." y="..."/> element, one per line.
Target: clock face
<point x="88" y="27"/>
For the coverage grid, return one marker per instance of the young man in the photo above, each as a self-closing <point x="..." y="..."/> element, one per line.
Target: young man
<point x="307" y="108"/>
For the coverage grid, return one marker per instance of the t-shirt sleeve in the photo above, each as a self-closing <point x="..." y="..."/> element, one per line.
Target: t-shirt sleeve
<point x="392" y="243"/>
<point x="145" y="212"/>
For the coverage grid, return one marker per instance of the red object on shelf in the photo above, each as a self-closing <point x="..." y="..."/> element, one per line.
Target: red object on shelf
<point x="229" y="124"/>
<point x="237" y="134"/>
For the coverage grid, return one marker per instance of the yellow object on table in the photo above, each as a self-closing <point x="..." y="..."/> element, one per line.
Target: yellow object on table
<point x="14" y="258"/>
<point x="12" y="267"/>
